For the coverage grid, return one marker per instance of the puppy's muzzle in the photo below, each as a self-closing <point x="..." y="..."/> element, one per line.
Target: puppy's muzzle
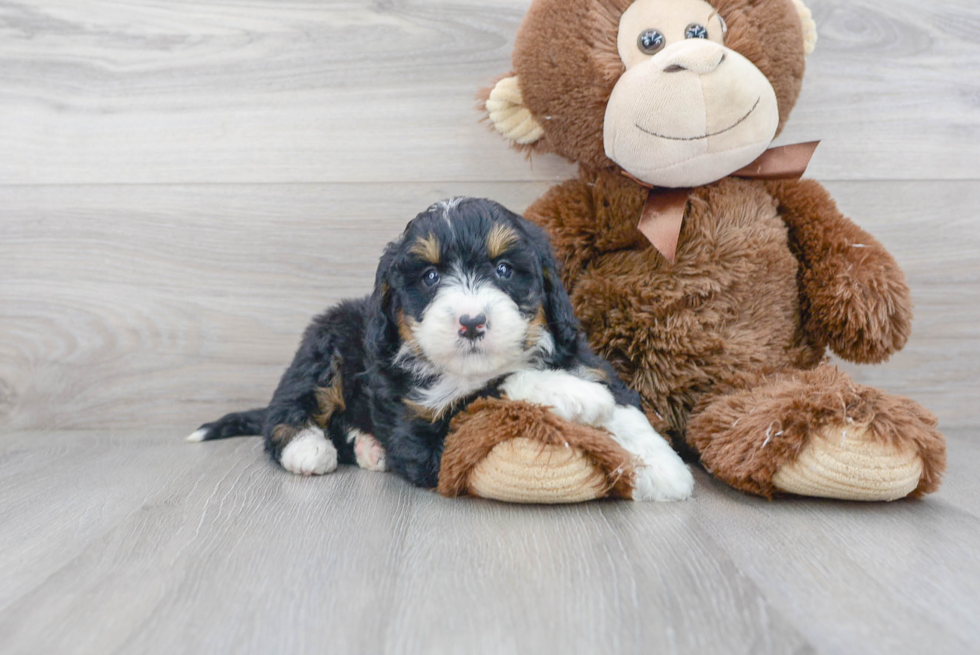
<point x="472" y="327"/>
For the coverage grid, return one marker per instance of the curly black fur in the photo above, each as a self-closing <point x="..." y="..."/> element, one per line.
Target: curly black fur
<point x="355" y="370"/>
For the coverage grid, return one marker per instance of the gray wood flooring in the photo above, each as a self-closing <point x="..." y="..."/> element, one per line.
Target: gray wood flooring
<point x="184" y="182"/>
<point x="134" y="542"/>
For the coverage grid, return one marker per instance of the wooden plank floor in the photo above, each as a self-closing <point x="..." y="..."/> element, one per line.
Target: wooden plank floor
<point x="136" y="542"/>
<point x="184" y="182"/>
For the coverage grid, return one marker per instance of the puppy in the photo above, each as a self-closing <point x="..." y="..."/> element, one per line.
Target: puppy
<point x="467" y="303"/>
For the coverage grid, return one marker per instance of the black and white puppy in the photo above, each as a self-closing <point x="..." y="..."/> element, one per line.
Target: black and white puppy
<point x="468" y="302"/>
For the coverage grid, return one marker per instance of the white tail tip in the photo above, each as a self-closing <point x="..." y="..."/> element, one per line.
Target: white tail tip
<point x="198" y="435"/>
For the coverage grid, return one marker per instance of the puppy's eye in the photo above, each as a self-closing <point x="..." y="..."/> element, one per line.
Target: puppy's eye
<point x="695" y="31"/>
<point x="650" y="41"/>
<point x="504" y="270"/>
<point x="430" y="277"/>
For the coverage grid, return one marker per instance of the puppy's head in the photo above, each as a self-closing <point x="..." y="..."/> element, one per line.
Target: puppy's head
<point x="471" y="289"/>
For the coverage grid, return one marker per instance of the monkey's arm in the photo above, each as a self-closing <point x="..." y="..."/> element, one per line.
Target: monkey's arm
<point x="854" y="296"/>
<point x="589" y="215"/>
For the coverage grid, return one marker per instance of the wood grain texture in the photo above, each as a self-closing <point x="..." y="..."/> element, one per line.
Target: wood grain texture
<point x="840" y="562"/>
<point x="933" y="230"/>
<point x="142" y="306"/>
<point x="195" y="91"/>
<point x="139" y="542"/>
<point x="184" y="183"/>
<point x="148" y="306"/>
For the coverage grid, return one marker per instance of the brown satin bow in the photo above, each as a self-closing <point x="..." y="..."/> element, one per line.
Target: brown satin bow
<point x="663" y="212"/>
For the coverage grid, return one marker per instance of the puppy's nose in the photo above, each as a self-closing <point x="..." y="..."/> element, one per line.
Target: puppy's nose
<point x="472" y="327"/>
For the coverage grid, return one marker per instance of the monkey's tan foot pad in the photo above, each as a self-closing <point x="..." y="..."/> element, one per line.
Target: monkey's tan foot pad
<point x="848" y="463"/>
<point x="521" y="453"/>
<point x="525" y="471"/>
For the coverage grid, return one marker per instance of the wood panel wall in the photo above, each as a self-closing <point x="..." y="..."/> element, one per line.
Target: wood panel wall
<point x="184" y="182"/>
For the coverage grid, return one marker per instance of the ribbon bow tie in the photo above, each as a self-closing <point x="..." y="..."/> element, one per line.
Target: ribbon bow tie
<point x="663" y="212"/>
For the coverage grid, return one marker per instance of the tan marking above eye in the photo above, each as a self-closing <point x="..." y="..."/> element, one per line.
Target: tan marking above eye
<point x="427" y="248"/>
<point x="501" y="237"/>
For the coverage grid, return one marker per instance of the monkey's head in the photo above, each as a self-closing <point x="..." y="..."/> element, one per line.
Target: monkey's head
<point x="675" y="92"/>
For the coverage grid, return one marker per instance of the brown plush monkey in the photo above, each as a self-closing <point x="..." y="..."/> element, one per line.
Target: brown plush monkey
<point x="720" y="310"/>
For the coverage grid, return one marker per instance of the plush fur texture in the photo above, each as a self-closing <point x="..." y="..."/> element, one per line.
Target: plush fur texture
<point x="727" y="341"/>
<point x="468" y="295"/>
<point x="756" y="290"/>
<point x="708" y="322"/>
<point x="853" y="295"/>
<point x="745" y="437"/>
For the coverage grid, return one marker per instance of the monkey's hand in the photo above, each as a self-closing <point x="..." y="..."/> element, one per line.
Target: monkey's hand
<point x="854" y="296"/>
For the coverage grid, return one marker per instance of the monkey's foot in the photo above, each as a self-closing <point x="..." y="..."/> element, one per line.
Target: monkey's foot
<point x="818" y="433"/>
<point x="519" y="452"/>
<point x="850" y="464"/>
<point x="525" y="471"/>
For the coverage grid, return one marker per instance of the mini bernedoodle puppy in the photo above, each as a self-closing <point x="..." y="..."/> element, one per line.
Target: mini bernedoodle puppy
<point x="467" y="303"/>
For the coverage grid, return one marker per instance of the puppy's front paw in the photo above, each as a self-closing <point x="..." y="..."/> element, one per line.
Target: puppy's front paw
<point x="661" y="474"/>
<point x="571" y="398"/>
<point x="662" y="479"/>
<point x="368" y="451"/>
<point x="309" y="453"/>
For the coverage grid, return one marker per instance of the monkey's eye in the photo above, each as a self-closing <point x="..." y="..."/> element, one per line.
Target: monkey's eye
<point x="695" y="31"/>
<point x="504" y="270"/>
<point x="650" y="41"/>
<point x="430" y="277"/>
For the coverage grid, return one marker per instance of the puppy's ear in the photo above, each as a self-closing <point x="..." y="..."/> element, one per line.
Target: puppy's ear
<point x="562" y="323"/>
<point x="381" y="337"/>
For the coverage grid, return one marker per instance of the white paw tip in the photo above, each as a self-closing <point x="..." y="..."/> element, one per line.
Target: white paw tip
<point x="197" y="435"/>
<point x="309" y="453"/>
<point x="368" y="451"/>
<point x="663" y="483"/>
<point x="566" y="396"/>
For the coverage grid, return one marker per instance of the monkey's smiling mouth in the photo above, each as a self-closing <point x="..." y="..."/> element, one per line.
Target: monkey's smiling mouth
<point x="704" y="136"/>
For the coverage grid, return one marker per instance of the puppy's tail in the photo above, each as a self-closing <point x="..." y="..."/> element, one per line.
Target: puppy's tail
<point x="235" y="424"/>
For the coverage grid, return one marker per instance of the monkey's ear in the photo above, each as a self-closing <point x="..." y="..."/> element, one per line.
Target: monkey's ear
<point x="809" y="27"/>
<point x="505" y="107"/>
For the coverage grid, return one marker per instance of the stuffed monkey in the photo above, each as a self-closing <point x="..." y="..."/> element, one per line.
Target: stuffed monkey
<point x="713" y="280"/>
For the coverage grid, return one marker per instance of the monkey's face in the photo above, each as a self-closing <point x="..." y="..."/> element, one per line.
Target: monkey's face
<point x="657" y="88"/>
<point x="688" y="110"/>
